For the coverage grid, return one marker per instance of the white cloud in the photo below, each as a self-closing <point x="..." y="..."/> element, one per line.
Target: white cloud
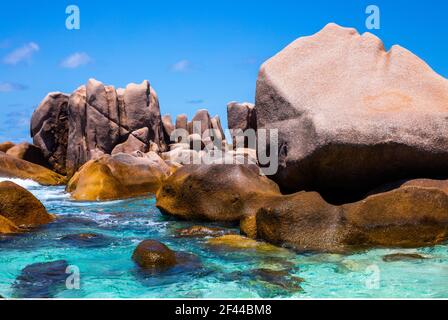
<point x="181" y="66"/>
<point x="10" y="87"/>
<point x="22" y="54"/>
<point x="76" y="60"/>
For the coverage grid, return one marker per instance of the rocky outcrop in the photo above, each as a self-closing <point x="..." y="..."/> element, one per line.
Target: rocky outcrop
<point x="49" y="129"/>
<point x="21" y="208"/>
<point x="7" y="226"/>
<point x="404" y="217"/>
<point x="30" y="153"/>
<point x="214" y="192"/>
<point x="94" y="120"/>
<point x="241" y="117"/>
<point x="118" y="177"/>
<point x="11" y="167"/>
<point x="350" y="115"/>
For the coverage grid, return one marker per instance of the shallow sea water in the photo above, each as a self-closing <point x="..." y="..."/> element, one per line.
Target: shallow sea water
<point x="107" y="270"/>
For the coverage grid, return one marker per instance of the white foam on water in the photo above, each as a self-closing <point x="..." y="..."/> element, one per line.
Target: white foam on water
<point x="24" y="183"/>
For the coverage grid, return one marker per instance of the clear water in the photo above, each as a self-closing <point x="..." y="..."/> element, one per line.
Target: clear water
<point x="107" y="270"/>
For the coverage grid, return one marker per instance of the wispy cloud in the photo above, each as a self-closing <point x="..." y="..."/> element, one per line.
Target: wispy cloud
<point x="76" y="60"/>
<point x="23" y="53"/>
<point x="181" y="66"/>
<point x="10" y="87"/>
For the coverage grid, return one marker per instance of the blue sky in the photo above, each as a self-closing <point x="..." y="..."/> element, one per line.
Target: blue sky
<point x="196" y="54"/>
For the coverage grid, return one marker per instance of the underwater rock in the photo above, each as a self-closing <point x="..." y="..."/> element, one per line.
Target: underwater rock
<point x="224" y="193"/>
<point x="403" y="257"/>
<point x="201" y="232"/>
<point x="237" y="242"/>
<point x="11" y="167"/>
<point x="30" y="153"/>
<point x="41" y="280"/>
<point x="351" y="116"/>
<point x="20" y="207"/>
<point x="86" y="240"/>
<point x="405" y="217"/>
<point x="5" y="146"/>
<point x="115" y="177"/>
<point x="152" y="255"/>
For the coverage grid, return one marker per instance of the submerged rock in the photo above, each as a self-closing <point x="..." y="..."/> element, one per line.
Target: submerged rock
<point x="403" y="257"/>
<point x="351" y="116"/>
<point x="41" y="280"/>
<point x="119" y="176"/>
<point x="201" y="232"/>
<point x="86" y="240"/>
<point x="20" y="207"/>
<point x="236" y="242"/>
<point x="11" y="167"/>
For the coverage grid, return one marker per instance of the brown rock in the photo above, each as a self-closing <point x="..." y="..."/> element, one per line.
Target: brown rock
<point x="428" y="183"/>
<point x="405" y="217"/>
<point x="20" y="207"/>
<point x="403" y="257"/>
<point x="5" y="146"/>
<point x="117" y="177"/>
<point x="350" y="114"/>
<point x="11" y="167"/>
<point x="134" y="143"/>
<point x="201" y="232"/>
<point x="7" y="226"/>
<point x="236" y="242"/>
<point x="214" y="192"/>
<point x="151" y="254"/>
<point x="49" y="129"/>
<point x="30" y="153"/>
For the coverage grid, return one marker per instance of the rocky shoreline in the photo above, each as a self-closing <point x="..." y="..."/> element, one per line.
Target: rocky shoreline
<point x="361" y="141"/>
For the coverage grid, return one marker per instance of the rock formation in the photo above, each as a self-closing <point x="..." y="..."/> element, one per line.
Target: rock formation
<point x="28" y="152"/>
<point x="350" y="115"/>
<point x="11" y="167"/>
<point x="93" y="121"/>
<point x="241" y="117"/>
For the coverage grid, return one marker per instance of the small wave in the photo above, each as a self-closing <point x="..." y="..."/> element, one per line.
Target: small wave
<point x="24" y="183"/>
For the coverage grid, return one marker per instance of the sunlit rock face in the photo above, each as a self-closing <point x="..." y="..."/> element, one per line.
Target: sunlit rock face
<point x="351" y="114"/>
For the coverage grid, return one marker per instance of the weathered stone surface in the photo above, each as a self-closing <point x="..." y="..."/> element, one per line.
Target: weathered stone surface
<point x="428" y="183"/>
<point x="214" y="192"/>
<point x="20" y="207"/>
<point x="396" y="257"/>
<point x="96" y="119"/>
<point x="151" y="254"/>
<point x="217" y="127"/>
<point x="49" y="129"/>
<point x="168" y="128"/>
<point x="351" y="115"/>
<point x="117" y="177"/>
<point x="11" y="167"/>
<point x="30" y="153"/>
<point x="236" y="242"/>
<point x="182" y="122"/>
<point x="241" y="117"/>
<point x="201" y="232"/>
<point x="405" y="217"/>
<point x="5" y="146"/>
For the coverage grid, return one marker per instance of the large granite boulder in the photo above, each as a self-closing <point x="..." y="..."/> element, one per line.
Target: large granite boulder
<point x="94" y="120"/>
<point x="118" y="177"/>
<point x="404" y="217"/>
<point x="30" y="153"/>
<point x="350" y="115"/>
<point x="214" y="192"/>
<point x="7" y="226"/>
<point x="49" y="129"/>
<point x="20" y="207"/>
<point x="11" y="167"/>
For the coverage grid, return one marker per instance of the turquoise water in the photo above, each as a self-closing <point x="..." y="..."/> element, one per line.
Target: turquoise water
<point x="107" y="270"/>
